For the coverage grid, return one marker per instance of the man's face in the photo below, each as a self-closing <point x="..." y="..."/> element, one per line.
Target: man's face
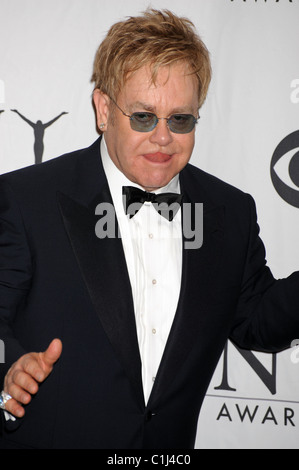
<point x="150" y="159"/>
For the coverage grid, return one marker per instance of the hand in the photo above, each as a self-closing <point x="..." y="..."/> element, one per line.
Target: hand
<point x="23" y="377"/>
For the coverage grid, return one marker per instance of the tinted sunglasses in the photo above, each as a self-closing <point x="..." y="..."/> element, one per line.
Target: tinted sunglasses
<point x="145" y="121"/>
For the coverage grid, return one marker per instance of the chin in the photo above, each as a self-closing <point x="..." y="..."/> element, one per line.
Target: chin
<point x="152" y="186"/>
<point x="156" y="181"/>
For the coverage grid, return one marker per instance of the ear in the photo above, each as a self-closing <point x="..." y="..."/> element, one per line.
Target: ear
<point x="101" y="103"/>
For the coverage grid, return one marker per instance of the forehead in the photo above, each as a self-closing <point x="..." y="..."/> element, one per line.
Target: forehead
<point x="173" y="86"/>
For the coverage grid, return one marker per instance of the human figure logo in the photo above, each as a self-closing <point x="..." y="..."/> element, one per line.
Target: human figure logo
<point x="39" y="130"/>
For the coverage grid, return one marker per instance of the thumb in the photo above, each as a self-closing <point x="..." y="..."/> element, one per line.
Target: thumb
<point x="53" y="353"/>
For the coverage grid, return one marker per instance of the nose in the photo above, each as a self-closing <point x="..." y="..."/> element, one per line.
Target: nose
<point x="161" y="134"/>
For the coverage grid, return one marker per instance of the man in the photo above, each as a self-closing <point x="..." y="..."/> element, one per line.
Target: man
<point x="142" y="317"/>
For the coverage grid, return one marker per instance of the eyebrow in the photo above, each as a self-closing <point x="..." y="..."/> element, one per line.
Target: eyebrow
<point x="140" y="105"/>
<point x="152" y="109"/>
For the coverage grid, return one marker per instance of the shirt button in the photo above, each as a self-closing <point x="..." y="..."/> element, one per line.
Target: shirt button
<point x="154" y="331"/>
<point x="154" y="282"/>
<point x="151" y="236"/>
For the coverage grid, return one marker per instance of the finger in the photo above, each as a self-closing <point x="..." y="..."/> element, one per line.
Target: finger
<point x="53" y="353"/>
<point x="14" y="408"/>
<point x="31" y="366"/>
<point x="18" y="394"/>
<point x="25" y="381"/>
<point x="40" y="365"/>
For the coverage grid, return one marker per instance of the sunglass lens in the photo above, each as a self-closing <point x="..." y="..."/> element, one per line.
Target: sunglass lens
<point x="143" y="122"/>
<point x="178" y="123"/>
<point x="182" y="123"/>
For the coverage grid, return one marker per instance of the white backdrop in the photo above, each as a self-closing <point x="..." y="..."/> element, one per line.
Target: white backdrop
<point x="46" y="54"/>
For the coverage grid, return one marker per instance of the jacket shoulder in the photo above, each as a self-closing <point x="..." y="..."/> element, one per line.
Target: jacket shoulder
<point x="51" y="168"/>
<point x="62" y="173"/>
<point x="212" y="187"/>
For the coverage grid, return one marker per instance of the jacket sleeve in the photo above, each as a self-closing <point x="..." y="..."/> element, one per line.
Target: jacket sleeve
<point x="267" y="317"/>
<point x="15" y="274"/>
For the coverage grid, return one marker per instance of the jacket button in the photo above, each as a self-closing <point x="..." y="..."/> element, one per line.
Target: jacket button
<point x="148" y="416"/>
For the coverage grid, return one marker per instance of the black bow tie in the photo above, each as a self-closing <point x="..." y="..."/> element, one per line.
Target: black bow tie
<point x="166" y="204"/>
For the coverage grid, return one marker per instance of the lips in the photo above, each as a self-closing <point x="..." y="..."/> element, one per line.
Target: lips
<point x="157" y="157"/>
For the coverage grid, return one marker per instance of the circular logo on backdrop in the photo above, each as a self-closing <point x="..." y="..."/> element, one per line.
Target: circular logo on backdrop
<point x="285" y="169"/>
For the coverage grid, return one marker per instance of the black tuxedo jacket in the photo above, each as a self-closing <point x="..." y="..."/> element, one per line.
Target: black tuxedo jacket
<point x="58" y="280"/>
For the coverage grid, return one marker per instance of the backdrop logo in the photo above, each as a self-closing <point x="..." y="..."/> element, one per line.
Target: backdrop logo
<point x="39" y="130"/>
<point x="285" y="169"/>
<point x="245" y="410"/>
<point x="268" y="378"/>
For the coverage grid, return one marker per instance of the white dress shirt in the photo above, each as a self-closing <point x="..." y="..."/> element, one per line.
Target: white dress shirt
<point x="153" y="252"/>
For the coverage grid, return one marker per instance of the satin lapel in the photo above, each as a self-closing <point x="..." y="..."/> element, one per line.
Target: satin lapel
<point x="103" y="267"/>
<point x="199" y="278"/>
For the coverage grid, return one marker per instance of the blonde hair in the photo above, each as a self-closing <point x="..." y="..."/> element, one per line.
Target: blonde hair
<point x="157" y="38"/>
